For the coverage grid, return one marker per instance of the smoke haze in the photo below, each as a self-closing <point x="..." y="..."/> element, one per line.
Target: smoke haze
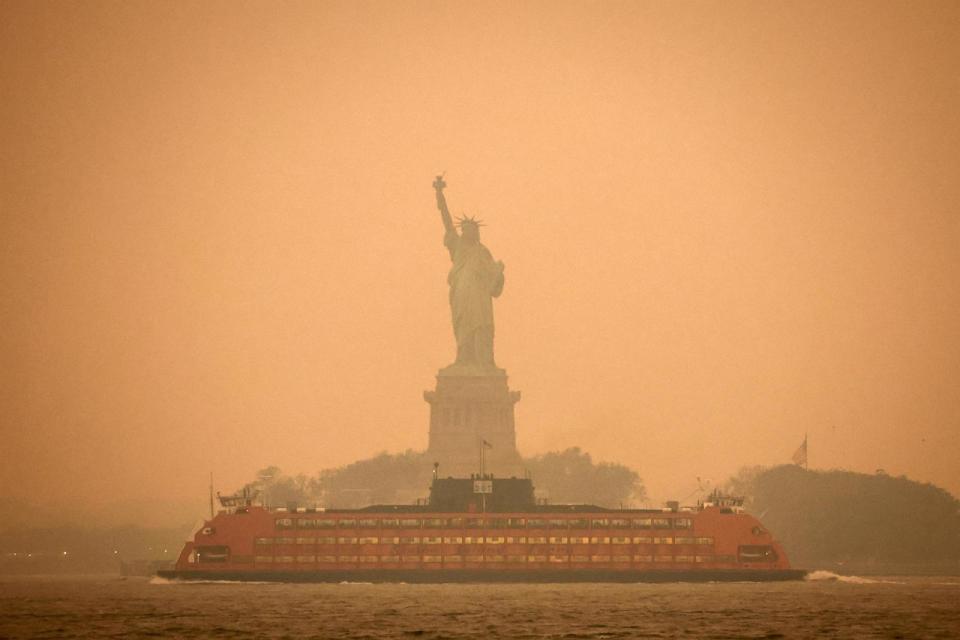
<point x="724" y="226"/>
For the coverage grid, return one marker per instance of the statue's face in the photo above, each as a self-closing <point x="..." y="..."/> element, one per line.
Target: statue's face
<point x="470" y="233"/>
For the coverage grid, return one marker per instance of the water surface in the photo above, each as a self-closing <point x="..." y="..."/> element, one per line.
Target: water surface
<point x="824" y="607"/>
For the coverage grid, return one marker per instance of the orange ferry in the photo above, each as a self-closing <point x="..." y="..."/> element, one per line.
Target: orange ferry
<point x="483" y="529"/>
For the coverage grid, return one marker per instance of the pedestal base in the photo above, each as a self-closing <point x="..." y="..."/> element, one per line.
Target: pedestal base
<point x="467" y="408"/>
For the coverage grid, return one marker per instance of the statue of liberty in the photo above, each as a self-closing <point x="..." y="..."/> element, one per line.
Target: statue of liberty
<point x="474" y="279"/>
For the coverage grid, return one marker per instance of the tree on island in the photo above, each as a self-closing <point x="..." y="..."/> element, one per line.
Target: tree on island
<point x="855" y="521"/>
<point x="568" y="476"/>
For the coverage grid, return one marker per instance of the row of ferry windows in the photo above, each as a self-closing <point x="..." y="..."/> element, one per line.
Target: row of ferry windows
<point x="492" y="558"/>
<point x="487" y="540"/>
<point x="484" y="523"/>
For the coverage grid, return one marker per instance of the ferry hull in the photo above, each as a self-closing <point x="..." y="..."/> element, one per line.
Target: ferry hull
<point x="476" y="576"/>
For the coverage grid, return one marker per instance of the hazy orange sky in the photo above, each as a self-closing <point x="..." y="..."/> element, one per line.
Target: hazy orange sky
<point x="724" y="225"/>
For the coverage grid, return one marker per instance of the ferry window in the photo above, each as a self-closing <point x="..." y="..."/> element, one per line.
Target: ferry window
<point x="410" y="558"/>
<point x="348" y="523"/>
<point x="327" y="540"/>
<point x="497" y="523"/>
<point x="661" y="523"/>
<point x="663" y="541"/>
<point x="284" y="523"/>
<point x="520" y="540"/>
<point x="558" y="558"/>
<point x="410" y="523"/>
<point x="474" y="523"/>
<point x="580" y="558"/>
<point x="579" y="523"/>
<point x="516" y="558"/>
<point x="347" y="540"/>
<point x="368" y="523"/>
<point x="536" y="558"/>
<point x="621" y="558"/>
<point x="283" y="559"/>
<point x="323" y="524"/>
<point x="306" y="540"/>
<point x="432" y="558"/>
<point x="390" y="523"/>
<point x="684" y="558"/>
<point x="558" y="540"/>
<point x="454" y="558"/>
<point x="263" y="541"/>
<point x="327" y="558"/>
<point x="369" y="540"/>
<point x="369" y="558"/>
<point x="642" y="540"/>
<point x="642" y="523"/>
<point x="704" y="540"/>
<point x="642" y="558"/>
<point x="558" y="524"/>
<point x="599" y="523"/>
<point x="453" y="540"/>
<point x="600" y="558"/>
<point x="580" y="540"/>
<point x="263" y="559"/>
<point x="621" y="540"/>
<point x="686" y="540"/>
<point x="409" y="540"/>
<point x="757" y="553"/>
<point x="704" y="558"/>
<point x="474" y="558"/>
<point x="663" y="558"/>
<point x="284" y="540"/>
<point x="537" y="540"/>
<point x="473" y="540"/>
<point x="213" y="553"/>
<point x="683" y="523"/>
<point x="390" y="558"/>
<point x="389" y="540"/>
<point x="494" y="540"/>
<point x="434" y="523"/>
<point x="536" y="523"/>
<point x="516" y="523"/>
<point x="346" y="558"/>
<point x="455" y="523"/>
<point x="619" y="523"/>
<point x="432" y="540"/>
<point x="306" y="558"/>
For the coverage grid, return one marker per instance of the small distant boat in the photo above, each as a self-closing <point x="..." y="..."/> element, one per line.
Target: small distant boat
<point x="483" y="529"/>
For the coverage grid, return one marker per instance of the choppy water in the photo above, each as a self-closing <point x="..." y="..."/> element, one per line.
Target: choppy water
<point x="823" y="607"/>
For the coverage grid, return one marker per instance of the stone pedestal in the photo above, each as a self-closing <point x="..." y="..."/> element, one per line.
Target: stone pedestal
<point x="466" y="408"/>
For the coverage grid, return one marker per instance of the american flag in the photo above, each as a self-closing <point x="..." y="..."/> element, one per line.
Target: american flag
<point x="800" y="455"/>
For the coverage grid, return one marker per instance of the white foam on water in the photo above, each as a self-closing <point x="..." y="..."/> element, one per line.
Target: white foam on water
<point x="822" y="575"/>
<point x="169" y="581"/>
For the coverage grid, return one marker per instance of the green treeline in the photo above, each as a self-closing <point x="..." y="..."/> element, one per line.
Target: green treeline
<point x="854" y="522"/>
<point x="569" y="476"/>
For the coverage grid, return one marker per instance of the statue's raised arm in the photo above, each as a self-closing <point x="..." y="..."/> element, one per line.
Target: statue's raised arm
<point x="439" y="184"/>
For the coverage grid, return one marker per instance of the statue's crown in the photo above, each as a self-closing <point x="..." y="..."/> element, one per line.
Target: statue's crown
<point x="469" y="220"/>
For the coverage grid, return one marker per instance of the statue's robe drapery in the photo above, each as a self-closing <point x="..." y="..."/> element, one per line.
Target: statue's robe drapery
<point x="474" y="279"/>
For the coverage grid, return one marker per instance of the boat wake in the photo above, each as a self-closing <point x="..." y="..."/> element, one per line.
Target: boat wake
<point x="169" y="581"/>
<point x="822" y="575"/>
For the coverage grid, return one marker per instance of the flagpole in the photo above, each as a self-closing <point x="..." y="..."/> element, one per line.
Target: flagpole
<point x="806" y="453"/>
